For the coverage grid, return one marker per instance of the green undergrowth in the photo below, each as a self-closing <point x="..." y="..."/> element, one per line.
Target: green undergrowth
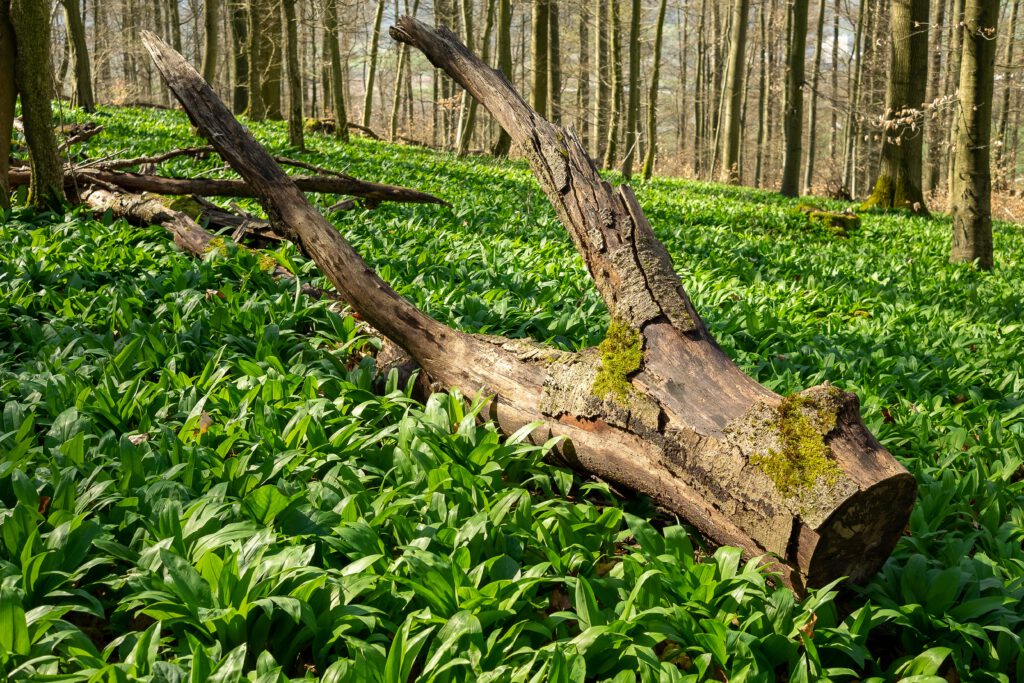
<point x="200" y="481"/>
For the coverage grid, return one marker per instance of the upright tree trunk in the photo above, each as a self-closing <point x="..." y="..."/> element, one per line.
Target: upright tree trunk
<point x="852" y="125"/>
<point x="899" y="181"/>
<point x="602" y="64"/>
<point x="8" y="98"/>
<point x="403" y="67"/>
<point x="633" y="106"/>
<point x="466" y="133"/>
<point x="211" y="44"/>
<point x="174" y="19"/>
<point x="240" y="56"/>
<point x="79" y="55"/>
<point x="733" y="94"/>
<point x="583" y="91"/>
<point x="554" y="64"/>
<point x="504" y="143"/>
<point x="33" y="75"/>
<point x="793" y="121"/>
<point x="295" y="135"/>
<point x="539" y="25"/>
<point x="371" y="73"/>
<point x="257" y="109"/>
<point x="959" y="21"/>
<point x="763" y="99"/>
<point x="337" y="87"/>
<point x="1003" y="154"/>
<point x="652" y="98"/>
<point x="812" y="127"/>
<point x="971" y="192"/>
<point x="933" y="125"/>
<point x="833" y="138"/>
<point x="272" y="60"/>
<point x="611" y="147"/>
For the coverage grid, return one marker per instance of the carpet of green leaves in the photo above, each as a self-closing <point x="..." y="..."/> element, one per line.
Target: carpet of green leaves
<point x="200" y="481"/>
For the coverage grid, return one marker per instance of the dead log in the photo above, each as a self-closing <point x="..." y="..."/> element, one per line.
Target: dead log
<point x="658" y="406"/>
<point x="213" y="187"/>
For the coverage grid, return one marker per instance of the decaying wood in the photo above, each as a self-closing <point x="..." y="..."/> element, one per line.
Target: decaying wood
<point x="212" y="187"/>
<point x="682" y="423"/>
<point x="78" y="133"/>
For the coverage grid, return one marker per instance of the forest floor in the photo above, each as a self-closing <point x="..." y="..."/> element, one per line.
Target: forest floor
<point x="198" y="473"/>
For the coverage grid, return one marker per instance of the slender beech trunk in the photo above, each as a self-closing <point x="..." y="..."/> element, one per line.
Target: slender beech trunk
<point x="272" y="61"/>
<point x="958" y="20"/>
<point x="540" y="23"/>
<point x="504" y="144"/>
<point x="852" y="125"/>
<point x="812" y="126"/>
<point x="583" y="91"/>
<point x="1003" y="155"/>
<point x="652" y="98"/>
<point x="833" y="138"/>
<point x="33" y="75"/>
<point x="700" y="93"/>
<point x="971" y="192"/>
<point x="611" y="147"/>
<point x="257" y="110"/>
<point x="793" y="121"/>
<point x="174" y="19"/>
<point x="403" y="67"/>
<point x="554" y="64"/>
<point x="899" y="181"/>
<point x="733" y="95"/>
<point x="8" y="97"/>
<point x="211" y="43"/>
<point x="633" y="106"/>
<point x="240" y="56"/>
<point x="602" y="75"/>
<point x="371" y="73"/>
<point x="763" y="99"/>
<point x="466" y="132"/>
<point x="291" y="22"/>
<point x="79" y="54"/>
<point x="933" y="127"/>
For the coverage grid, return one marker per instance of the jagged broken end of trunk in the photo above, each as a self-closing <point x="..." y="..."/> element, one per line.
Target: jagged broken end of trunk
<point x="658" y="407"/>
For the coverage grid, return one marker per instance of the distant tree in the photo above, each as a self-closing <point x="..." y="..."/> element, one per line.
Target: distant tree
<point x="239" y="57"/>
<point x="257" y="110"/>
<point x="611" y="147"/>
<point x="33" y="75"/>
<point x="539" y="25"/>
<point x="272" y="49"/>
<point x="211" y="42"/>
<point x="504" y="143"/>
<point x="602" y="78"/>
<point x="1004" y="153"/>
<point x="79" y="54"/>
<point x="554" y="64"/>
<point x="899" y="181"/>
<point x="8" y="98"/>
<point x="733" y="92"/>
<point x="971" y="191"/>
<point x="652" y="98"/>
<point x="295" y="135"/>
<point x="337" y="87"/>
<point x="793" y="118"/>
<point x="583" y="121"/>
<point x="633" y="106"/>
<point x="371" y="72"/>
<point x="933" y="126"/>
<point x="812" y="124"/>
<point x="956" y="64"/>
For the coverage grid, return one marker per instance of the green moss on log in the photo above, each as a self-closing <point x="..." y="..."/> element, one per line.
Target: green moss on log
<point x="805" y="458"/>
<point x="622" y="354"/>
<point x="832" y="222"/>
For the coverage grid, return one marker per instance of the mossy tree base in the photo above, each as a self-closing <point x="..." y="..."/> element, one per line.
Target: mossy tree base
<point x="833" y="222"/>
<point x="658" y="407"/>
<point x="896" y="193"/>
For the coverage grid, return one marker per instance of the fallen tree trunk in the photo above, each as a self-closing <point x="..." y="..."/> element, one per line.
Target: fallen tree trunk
<point x="658" y="406"/>
<point x="212" y="187"/>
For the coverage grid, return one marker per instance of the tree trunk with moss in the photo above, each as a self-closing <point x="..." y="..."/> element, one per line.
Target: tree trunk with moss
<point x="211" y="41"/>
<point x="734" y="93"/>
<point x="79" y="54"/>
<point x="899" y="181"/>
<point x="8" y="98"/>
<point x="291" y="22"/>
<point x="652" y="97"/>
<point x="371" y="72"/>
<point x="793" y="116"/>
<point x="611" y="146"/>
<point x="34" y="79"/>
<point x="971" y="192"/>
<point x="657" y="406"/>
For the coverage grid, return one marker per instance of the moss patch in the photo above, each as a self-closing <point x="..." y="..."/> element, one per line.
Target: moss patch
<point x="832" y="222"/>
<point x="805" y="457"/>
<point x="622" y="353"/>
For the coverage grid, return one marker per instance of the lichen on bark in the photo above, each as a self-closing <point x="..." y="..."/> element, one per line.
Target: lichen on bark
<point x="622" y="354"/>
<point x="804" y="458"/>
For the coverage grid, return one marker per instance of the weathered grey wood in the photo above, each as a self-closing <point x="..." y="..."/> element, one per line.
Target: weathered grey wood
<point x="681" y="422"/>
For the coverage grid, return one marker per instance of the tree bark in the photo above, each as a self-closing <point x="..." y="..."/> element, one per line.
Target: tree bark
<point x="812" y="126"/>
<point x="79" y="55"/>
<point x="337" y="87"/>
<point x="611" y="146"/>
<point x="734" y="92"/>
<point x="971" y="192"/>
<point x="174" y="19"/>
<point x="240" y="56"/>
<point x="372" y="69"/>
<point x="504" y="142"/>
<point x="763" y="98"/>
<point x="272" y="48"/>
<point x="933" y="126"/>
<point x="633" y="106"/>
<point x="852" y="124"/>
<point x="211" y="41"/>
<point x="793" y="121"/>
<point x="959" y="20"/>
<point x="660" y="408"/>
<point x="602" y="77"/>
<point x="34" y="81"/>
<point x="899" y="183"/>
<point x="8" y="98"/>
<point x="540" y="23"/>
<point x="652" y="98"/>
<point x="257" y="110"/>
<point x="554" y="64"/>
<point x="1003" y="152"/>
<point x="295" y="135"/>
<point x="583" y="120"/>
